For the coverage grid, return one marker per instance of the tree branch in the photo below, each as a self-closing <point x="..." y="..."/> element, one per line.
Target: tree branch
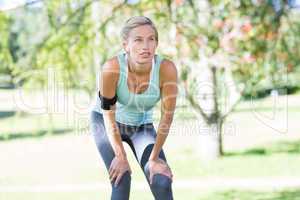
<point x="215" y="93"/>
<point x="58" y="28"/>
<point x="193" y="103"/>
<point x="233" y="107"/>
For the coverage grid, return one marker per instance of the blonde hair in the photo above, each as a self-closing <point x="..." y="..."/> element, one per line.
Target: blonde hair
<point x="134" y="22"/>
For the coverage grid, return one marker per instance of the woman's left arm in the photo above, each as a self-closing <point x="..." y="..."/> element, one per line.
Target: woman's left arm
<point x="168" y="82"/>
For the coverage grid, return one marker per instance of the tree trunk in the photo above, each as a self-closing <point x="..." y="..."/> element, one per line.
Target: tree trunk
<point x="210" y="141"/>
<point x="210" y="133"/>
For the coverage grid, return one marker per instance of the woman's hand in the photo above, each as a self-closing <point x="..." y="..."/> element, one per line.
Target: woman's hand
<point x="159" y="166"/>
<point x="119" y="165"/>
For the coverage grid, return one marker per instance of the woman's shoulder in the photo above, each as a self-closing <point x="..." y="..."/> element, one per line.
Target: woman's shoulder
<point x="167" y="67"/>
<point x="111" y="68"/>
<point x="110" y="71"/>
<point x="111" y="64"/>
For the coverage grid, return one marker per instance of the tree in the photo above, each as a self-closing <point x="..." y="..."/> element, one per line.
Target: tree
<point x="236" y="47"/>
<point x="225" y="48"/>
<point x="6" y="59"/>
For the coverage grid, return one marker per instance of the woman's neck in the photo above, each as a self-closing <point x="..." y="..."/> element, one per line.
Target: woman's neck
<point x="140" y="69"/>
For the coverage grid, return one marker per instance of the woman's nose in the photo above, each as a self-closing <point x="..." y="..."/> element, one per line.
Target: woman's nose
<point x="145" y="45"/>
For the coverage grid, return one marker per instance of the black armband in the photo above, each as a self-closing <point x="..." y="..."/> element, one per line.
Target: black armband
<point x="107" y="102"/>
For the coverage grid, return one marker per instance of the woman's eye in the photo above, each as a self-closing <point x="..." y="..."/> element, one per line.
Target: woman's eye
<point x="137" y="40"/>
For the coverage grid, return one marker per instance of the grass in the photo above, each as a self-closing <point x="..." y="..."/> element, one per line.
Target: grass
<point x="32" y="124"/>
<point x="74" y="159"/>
<point x="69" y="156"/>
<point x="290" y="194"/>
<point x="237" y="165"/>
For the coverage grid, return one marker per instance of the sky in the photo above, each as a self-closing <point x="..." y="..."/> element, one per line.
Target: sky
<point x="10" y="4"/>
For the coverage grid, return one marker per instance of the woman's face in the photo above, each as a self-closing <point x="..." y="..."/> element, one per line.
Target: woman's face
<point x="141" y="44"/>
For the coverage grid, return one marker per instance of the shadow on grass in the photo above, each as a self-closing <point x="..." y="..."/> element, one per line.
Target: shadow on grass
<point x="277" y="147"/>
<point x="290" y="194"/>
<point x="5" y="114"/>
<point x="40" y="133"/>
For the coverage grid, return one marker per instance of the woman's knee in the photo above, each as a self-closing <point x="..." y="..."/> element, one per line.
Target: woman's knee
<point x="124" y="182"/>
<point x="122" y="190"/>
<point x="162" y="182"/>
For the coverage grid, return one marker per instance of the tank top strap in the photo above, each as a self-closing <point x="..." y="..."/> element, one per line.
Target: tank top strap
<point x="155" y="78"/>
<point x="122" y="66"/>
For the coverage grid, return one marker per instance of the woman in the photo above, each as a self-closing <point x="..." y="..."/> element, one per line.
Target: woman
<point x="130" y="86"/>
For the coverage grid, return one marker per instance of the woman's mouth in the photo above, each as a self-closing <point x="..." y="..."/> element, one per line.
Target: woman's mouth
<point x="145" y="54"/>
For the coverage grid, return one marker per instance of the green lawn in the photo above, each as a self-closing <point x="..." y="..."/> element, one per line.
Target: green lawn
<point x="31" y="157"/>
<point x="290" y="194"/>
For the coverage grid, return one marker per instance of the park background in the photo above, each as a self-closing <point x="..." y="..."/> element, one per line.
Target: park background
<point x="234" y="136"/>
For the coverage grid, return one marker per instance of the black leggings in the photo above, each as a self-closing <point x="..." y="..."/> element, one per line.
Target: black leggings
<point x="141" y="140"/>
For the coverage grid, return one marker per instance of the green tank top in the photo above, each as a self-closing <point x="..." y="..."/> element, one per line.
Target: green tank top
<point x="136" y="109"/>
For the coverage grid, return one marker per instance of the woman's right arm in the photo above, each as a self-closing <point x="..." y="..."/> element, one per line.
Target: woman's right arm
<point x="108" y="84"/>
